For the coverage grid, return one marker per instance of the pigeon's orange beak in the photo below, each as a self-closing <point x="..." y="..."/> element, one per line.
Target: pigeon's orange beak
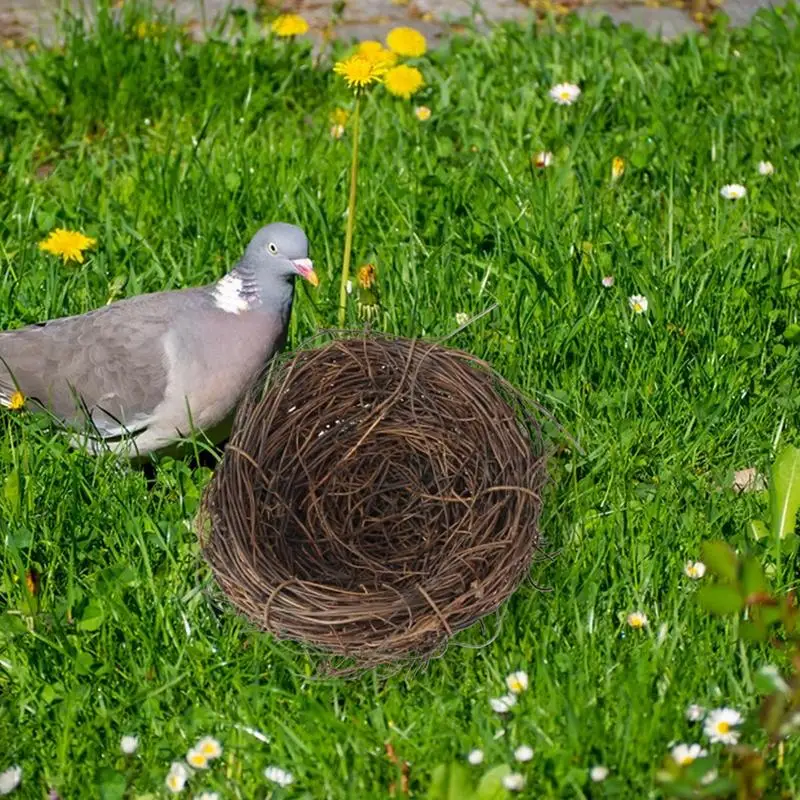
<point x="305" y="269"/>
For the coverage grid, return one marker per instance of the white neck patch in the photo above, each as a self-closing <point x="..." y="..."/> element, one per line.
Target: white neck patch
<point x="229" y="295"/>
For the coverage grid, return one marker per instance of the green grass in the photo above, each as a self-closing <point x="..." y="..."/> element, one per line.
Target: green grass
<point x="172" y="156"/>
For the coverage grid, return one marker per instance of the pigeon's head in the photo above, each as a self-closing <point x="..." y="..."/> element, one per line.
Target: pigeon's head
<point x="281" y="250"/>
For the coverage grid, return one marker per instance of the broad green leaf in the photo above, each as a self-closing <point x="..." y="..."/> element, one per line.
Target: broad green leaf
<point x="92" y="618"/>
<point x="753" y="578"/>
<point x="111" y="784"/>
<point x="758" y="529"/>
<point x="784" y="492"/>
<point x="491" y="784"/>
<point x="438" y="786"/>
<point x="792" y="333"/>
<point x="720" y="599"/>
<point x="460" y="784"/>
<point x="721" y="559"/>
<point x="753" y="631"/>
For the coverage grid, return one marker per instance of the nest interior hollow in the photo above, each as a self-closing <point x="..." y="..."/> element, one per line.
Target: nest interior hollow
<point x="377" y="495"/>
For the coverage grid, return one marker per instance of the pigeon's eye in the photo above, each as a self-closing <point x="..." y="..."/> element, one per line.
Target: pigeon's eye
<point x="273" y="248"/>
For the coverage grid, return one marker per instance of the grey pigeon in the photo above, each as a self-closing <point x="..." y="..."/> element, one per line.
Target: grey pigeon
<point x="147" y="371"/>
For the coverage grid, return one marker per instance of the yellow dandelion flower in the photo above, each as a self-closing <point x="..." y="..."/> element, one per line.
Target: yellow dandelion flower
<point x="422" y="113"/>
<point x="289" y="25"/>
<point x="67" y="244"/>
<point x="404" y="81"/>
<point x="406" y="42"/>
<point x="367" y="275"/>
<point x="377" y="53"/>
<point x="17" y="401"/>
<point x="617" y="168"/>
<point x="359" y="71"/>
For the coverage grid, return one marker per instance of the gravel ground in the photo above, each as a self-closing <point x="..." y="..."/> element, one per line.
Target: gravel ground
<point x="367" y="19"/>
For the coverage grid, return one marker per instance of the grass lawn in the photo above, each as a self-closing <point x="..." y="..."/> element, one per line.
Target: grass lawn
<point x="171" y="154"/>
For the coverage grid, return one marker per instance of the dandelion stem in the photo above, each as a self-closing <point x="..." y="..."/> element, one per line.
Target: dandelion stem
<point x="351" y="216"/>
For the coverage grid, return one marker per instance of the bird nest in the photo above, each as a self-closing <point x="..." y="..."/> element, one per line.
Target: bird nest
<point x="377" y="495"/>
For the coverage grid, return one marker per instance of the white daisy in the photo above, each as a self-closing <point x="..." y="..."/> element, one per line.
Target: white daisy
<point x="196" y="759"/>
<point x="598" y="773"/>
<point x="279" y="776"/>
<point x="694" y="713"/>
<point x="543" y="159"/>
<point x="523" y="753"/>
<point x="475" y="757"/>
<point x="462" y="318"/>
<point x="733" y="191"/>
<point x="685" y="754"/>
<point x="503" y="704"/>
<point x="637" y="619"/>
<point x="517" y="682"/>
<point x="207" y="796"/>
<point x="514" y="782"/>
<point x="608" y="281"/>
<point x="695" y="569"/>
<point x="209" y="747"/>
<point x="638" y="303"/>
<point x="720" y="725"/>
<point x="177" y="777"/>
<point x="10" y="779"/>
<point x="765" y="168"/>
<point x="129" y="744"/>
<point x="565" y="94"/>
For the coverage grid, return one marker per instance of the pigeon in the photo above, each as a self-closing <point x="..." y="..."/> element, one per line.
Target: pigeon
<point x="143" y="373"/>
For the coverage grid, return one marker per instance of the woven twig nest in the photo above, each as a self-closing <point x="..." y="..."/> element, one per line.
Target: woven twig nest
<point x="377" y="495"/>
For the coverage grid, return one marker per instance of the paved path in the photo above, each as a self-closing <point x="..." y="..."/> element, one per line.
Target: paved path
<point x="368" y="19"/>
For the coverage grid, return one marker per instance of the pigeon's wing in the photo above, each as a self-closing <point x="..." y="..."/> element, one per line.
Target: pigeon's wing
<point x="108" y="365"/>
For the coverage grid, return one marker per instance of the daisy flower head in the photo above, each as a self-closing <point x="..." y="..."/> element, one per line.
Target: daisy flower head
<point x="289" y="25"/>
<point x="565" y="94"/>
<point x="720" y="725"/>
<point x="608" y="281"/>
<point x="733" y="191"/>
<point x="504" y="704"/>
<point x="209" y="747"/>
<point x="10" y="779"/>
<point x="176" y="777"/>
<point x="279" y="776"/>
<point x="637" y="619"/>
<point x="67" y="244"/>
<point x="196" y="759"/>
<point x="129" y="744"/>
<point x="638" y="303"/>
<point x="403" y="81"/>
<point x="377" y="53"/>
<point x="359" y="72"/>
<point x="422" y="113"/>
<point x="514" y="782"/>
<point x="543" y="159"/>
<point x="523" y="753"/>
<point x="517" y="682"/>
<point x="695" y="569"/>
<point x="207" y="796"/>
<point x="406" y="42"/>
<point x="475" y="757"/>
<point x="617" y="168"/>
<point x="685" y="754"/>
<point x="765" y="168"/>
<point x="694" y="713"/>
<point x="598" y="773"/>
